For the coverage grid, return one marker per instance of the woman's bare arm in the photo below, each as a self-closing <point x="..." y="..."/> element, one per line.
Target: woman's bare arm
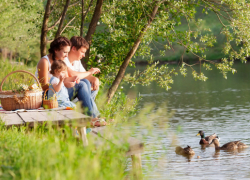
<point x="43" y="69"/>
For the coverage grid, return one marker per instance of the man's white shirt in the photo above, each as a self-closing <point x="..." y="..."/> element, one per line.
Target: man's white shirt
<point x="77" y="65"/>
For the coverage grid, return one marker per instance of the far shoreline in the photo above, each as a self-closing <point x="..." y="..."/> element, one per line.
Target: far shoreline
<point x="161" y="62"/>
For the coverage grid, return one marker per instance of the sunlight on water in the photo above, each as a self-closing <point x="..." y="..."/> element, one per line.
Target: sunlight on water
<point x="217" y="106"/>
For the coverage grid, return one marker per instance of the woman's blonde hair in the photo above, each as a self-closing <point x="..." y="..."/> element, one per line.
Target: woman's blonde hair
<point x="58" y="65"/>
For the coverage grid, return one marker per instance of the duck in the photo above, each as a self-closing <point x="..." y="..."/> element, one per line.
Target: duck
<point x="206" y="140"/>
<point x="228" y="146"/>
<point x="187" y="151"/>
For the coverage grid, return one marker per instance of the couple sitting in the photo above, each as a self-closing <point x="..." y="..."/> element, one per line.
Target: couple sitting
<point x="62" y="71"/>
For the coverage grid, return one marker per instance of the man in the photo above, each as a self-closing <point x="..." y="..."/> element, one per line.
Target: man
<point x="78" y="49"/>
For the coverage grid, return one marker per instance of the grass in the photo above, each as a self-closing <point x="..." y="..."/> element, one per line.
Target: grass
<point x="45" y="153"/>
<point x="15" y="79"/>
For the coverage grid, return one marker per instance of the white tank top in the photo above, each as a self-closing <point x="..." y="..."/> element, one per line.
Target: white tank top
<point x="49" y="75"/>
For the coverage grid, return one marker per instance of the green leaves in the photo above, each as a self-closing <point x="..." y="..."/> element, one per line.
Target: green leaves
<point x="180" y="27"/>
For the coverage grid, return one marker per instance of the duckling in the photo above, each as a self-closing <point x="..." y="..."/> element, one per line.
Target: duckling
<point x="228" y="146"/>
<point x="206" y="140"/>
<point x="187" y="151"/>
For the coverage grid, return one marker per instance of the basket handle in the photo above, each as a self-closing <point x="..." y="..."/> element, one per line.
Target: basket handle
<point x="23" y="72"/>
<point x="46" y="91"/>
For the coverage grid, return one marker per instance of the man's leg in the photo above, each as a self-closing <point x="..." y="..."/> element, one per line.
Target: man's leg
<point x="93" y="93"/>
<point x="82" y="91"/>
<point x="95" y="109"/>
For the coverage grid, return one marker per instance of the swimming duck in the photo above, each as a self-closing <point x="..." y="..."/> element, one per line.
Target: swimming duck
<point x="228" y="146"/>
<point x="206" y="140"/>
<point x="187" y="151"/>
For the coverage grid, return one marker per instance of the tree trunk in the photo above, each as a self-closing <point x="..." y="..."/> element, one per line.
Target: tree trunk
<point x="4" y="54"/>
<point x="59" y="30"/>
<point x="84" y="15"/>
<point x="125" y="63"/>
<point x="82" y="20"/>
<point x="45" y="29"/>
<point x="92" y="27"/>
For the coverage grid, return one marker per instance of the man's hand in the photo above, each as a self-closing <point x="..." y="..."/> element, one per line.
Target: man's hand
<point x="94" y="83"/>
<point x="94" y="70"/>
<point x="76" y="79"/>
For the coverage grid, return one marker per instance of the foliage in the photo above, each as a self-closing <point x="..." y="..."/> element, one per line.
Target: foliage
<point x="123" y="20"/>
<point x="20" y="27"/>
<point x="177" y="23"/>
<point x="126" y="105"/>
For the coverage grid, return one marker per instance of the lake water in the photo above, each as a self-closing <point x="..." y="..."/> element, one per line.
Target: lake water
<point x="220" y="106"/>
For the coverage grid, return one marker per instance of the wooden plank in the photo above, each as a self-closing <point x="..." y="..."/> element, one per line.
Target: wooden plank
<point x="71" y="114"/>
<point x="76" y="118"/>
<point x="41" y="117"/>
<point x="56" y="117"/>
<point x="30" y="117"/>
<point x="53" y="116"/>
<point x="11" y="119"/>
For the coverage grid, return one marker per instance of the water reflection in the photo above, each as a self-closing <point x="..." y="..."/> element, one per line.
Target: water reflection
<point x="218" y="105"/>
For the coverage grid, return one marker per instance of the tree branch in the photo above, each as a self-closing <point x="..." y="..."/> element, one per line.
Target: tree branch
<point x="67" y="25"/>
<point x="92" y="27"/>
<point x="71" y="5"/>
<point x="82" y="20"/>
<point x="54" y="25"/>
<point x="84" y="15"/>
<point x="53" y="6"/>
<point x="45" y="29"/>
<point x="62" y="19"/>
<point x="94" y="20"/>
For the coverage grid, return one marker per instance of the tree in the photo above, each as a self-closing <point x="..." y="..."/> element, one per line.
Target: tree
<point x="57" y="11"/>
<point x="121" y="30"/>
<point x="125" y="20"/>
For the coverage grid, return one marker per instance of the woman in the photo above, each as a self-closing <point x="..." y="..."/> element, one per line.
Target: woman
<point x="59" y="50"/>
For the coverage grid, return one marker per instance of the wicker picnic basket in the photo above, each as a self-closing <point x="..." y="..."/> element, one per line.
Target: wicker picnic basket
<point x="49" y="103"/>
<point x="30" y="99"/>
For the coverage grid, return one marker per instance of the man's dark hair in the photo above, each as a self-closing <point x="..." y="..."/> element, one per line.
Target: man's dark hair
<point x="79" y="42"/>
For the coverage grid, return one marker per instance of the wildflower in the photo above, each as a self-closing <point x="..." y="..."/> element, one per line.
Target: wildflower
<point x="24" y="87"/>
<point x="33" y="87"/>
